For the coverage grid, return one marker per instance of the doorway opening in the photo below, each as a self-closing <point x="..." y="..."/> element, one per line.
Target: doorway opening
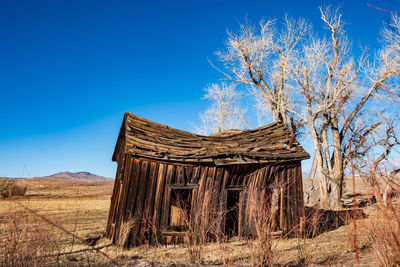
<point x="232" y="214"/>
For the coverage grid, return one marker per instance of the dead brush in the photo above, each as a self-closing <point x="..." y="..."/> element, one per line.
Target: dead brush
<point x="203" y="220"/>
<point x="383" y="242"/>
<point x="260" y="219"/>
<point x="204" y="225"/>
<point x="10" y="187"/>
<point x="29" y="242"/>
<point x="311" y="227"/>
<point x="384" y="230"/>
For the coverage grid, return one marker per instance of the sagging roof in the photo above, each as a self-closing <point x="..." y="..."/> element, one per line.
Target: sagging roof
<point x="144" y="138"/>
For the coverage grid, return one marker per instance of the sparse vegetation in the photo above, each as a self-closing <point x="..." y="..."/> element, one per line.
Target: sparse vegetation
<point x="262" y="221"/>
<point x="383" y="233"/>
<point x="86" y="217"/>
<point x="10" y="187"/>
<point x="28" y="242"/>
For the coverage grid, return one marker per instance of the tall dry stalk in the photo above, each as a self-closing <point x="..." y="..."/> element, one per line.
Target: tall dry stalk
<point x="260" y="219"/>
<point x="204" y="224"/>
<point x="384" y="229"/>
<point x="29" y="242"/>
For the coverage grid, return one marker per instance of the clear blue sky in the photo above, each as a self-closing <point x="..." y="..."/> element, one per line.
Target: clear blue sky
<point x="70" y="69"/>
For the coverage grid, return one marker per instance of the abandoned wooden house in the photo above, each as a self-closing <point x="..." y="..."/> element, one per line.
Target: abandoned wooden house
<point x="160" y="167"/>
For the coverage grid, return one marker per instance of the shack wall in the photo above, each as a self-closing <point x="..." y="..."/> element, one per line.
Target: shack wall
<point x="139" y="210"/>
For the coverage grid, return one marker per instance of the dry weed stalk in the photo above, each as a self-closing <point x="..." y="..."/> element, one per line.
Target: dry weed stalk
<point x="314" y="221"/>
<point x="125" y="232"/>
<point x="204" y="224"/>
<point x="260" y="219"/>
<point x="29" y="242"/>
<point x="384" y="230"/>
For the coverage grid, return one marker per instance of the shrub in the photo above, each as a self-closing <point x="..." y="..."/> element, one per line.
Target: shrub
<point x="10" y="187"/>
<point x="28" y="242"/>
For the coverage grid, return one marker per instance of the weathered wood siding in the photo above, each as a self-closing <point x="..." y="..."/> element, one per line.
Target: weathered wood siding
<point x="141" y="197"/>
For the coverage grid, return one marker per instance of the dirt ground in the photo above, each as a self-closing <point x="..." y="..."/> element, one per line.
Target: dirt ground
<point x="81" y="208"/>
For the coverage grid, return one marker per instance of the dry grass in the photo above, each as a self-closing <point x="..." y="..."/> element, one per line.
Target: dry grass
<point x="29" y="242"/>
<point x="53" y="188"/>
<point x="33" y="242"/>
<point x="86" y="218"/>
<point x="383" y="233"/>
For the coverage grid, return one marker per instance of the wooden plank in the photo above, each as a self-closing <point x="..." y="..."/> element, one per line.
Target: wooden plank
<point x="149" y="202"/>
<point x="122" y="198"/>
<point x="182" y="186"/>
<point x="202" y="182"/>
<point x="174" y="174"/>
<point x="117" y="202"/>
<point x="188" y="174"/>
<point x="244" y="172"/>
<point x="291" y="203"/>
<point x="273" y="182"/>
<point x="158" y="202"/>
<point x="296" y="196"/>
<point x="129" y="211"/>
<point x="196" y="175"/>
<point x="300" y="184"/>
<point x="111" y="214"/>
<point x="132" y="187"/>
<point x="235" y="187"/>
<point x="223" y="205"/>
<point x="139" y="203"/>
<point x="286" y="204"/>
<point x="225" y="179"/>
<point x="193" y="203"/>
<point x="261" y="179"/>
<point x="299" y="194"/>
<point x="266" y="177"/>
<point x="180" y="175"/>
<point x="166" y="199"/>
<point x="234" y="174"/>
<point x="211" y="178"/>
<point x="295" y="192"/>
<point x="281" y="211"/>
<point x="242" y="228"/>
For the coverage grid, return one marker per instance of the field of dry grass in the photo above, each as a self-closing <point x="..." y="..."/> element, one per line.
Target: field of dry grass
<point x="81" y="208"/>
<point x="53" y="188"/>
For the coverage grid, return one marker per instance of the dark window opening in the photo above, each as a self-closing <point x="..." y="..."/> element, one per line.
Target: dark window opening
<point x="232" y="214"/>
<point x="179" y="211"/>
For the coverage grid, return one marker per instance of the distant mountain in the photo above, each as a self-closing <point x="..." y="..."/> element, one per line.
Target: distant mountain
<point x="75" y="176"/>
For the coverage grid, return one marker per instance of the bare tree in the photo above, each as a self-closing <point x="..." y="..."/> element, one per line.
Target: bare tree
<point x="262" y="58"/>
<point x="331" y="83"/>
<point x="316" y="80"/>
<point x="224" y="113"/>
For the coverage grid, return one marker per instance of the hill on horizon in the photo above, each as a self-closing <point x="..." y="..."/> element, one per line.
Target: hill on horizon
<point x="74" y="176"/>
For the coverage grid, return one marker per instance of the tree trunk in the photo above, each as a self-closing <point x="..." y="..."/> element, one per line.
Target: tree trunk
<point x="328" y="189"/>
<point x="313" y="169"/>
<point x="328" y="185"/>
<point x="337" y="159"/>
